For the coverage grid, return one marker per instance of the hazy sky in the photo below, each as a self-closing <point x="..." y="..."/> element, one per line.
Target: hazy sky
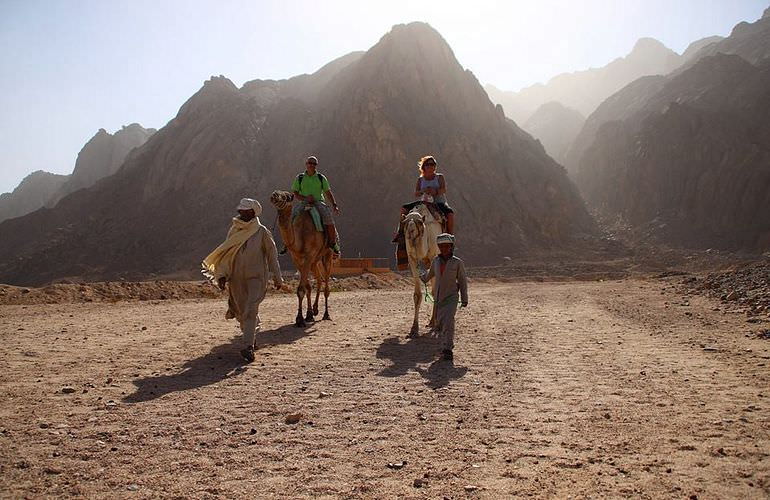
<point x="70" y="67"/>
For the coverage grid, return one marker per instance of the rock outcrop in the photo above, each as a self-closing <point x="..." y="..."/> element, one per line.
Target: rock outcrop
<point x="555" y="126"/>
<point x="747" y="41"/>
<point x="684" y="157"/>
<point x="368" y="117"/>
<point x="101" y="157"/>
<point x="32" y="193"/>
<point x="692" y="50"/>
<point x="751" y="41"/>
<point x="692" y="163"/>
<point x="585" y="90"/>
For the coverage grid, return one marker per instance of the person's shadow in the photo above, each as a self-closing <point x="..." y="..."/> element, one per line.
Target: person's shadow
<point x="222" y="361"/>
<point x="414" y="351"/>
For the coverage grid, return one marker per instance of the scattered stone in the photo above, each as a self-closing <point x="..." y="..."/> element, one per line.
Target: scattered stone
<point x="52" y="470"/>
<point x="470" y="488"/>
<point x="397" y="465"/>
<point x="710" y="349"/>
<point x="418" y="483"/>
<point x="68" y="390"/>
<point x="293" y="418"/>
<point x="253" y="431"/>
<point x="132" y="487"/>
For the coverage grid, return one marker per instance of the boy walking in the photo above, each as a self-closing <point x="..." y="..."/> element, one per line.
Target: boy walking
<point x="449" y="288"/>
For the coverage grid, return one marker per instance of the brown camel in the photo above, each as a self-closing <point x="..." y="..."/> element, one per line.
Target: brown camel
<point x="309" y="253"/>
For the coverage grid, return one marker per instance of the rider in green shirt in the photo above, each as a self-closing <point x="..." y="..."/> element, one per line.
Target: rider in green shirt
<point x="312" y="188"/>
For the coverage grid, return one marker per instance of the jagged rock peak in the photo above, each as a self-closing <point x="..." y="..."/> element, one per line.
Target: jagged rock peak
<point x="38" y="174"/>
<point x="213" y="90"/>
<point x="31" y="194"/>
<point x="416" y="39"/>
<point x="766" y="14"/>
<point x="697" y="45"/>
<point x="647" y="45"/>
<point x="219" y="82"/>
<point x="134" y="126"/>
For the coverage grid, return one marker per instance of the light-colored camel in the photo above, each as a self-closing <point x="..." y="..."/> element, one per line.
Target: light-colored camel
<point x="309" y="253"/>
<point x="420" y="231"/>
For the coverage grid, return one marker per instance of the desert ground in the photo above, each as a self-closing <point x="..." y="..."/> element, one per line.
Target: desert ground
<point x="618" y="388"/>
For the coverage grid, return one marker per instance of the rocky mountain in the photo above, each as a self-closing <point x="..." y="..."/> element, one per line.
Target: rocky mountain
<point x="585" y="90"/>
<point x="619" y="106"/>
<point x="751" y="41"/>
<point x="368" y="117"/>
<point x="692" y="50"/>
<point x="556" y="126"/>
<point x="101" y="157"/>
<point x="690" y="161"/>
<point x="32" y="193"/>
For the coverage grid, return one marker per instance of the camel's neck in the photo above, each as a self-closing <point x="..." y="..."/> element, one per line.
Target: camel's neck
<point x="285" y="226"/>
<point x="424" y="246"/>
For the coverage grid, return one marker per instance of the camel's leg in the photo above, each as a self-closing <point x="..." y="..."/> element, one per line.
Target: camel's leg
<point x="318" y="282"/>
<point x="309" y="292"/>
<point x="300" y="321"/>
<point x="327" y="272"/>
<point x="417" y="297"/>
<point x="303" y="290"/>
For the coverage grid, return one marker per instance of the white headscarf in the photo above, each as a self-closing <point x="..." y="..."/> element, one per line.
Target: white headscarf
<point x="250" y="204"/>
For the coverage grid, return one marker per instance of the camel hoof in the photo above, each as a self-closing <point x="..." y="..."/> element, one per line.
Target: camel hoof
<point x="327" y="317"/>
<point x="248" y="354"/>
<point x="299" y="322"/>
<point x="309" y="317"/>
<point x="315" y="311"/>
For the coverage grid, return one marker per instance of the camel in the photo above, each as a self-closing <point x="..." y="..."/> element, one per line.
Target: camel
<point x="308" y="251"/>
<point x="420" y="231"/>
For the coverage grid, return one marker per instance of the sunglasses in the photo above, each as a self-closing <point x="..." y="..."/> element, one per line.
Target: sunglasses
<point x="429" y="165"/>
<point x="311" y="163"/>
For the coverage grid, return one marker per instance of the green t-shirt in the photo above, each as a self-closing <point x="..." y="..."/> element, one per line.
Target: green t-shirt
<point x="311" y="184"/>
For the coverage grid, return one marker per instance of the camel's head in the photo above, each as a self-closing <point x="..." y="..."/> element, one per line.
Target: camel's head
<point x="414" y="226"/>
<point x="281" y="199"/>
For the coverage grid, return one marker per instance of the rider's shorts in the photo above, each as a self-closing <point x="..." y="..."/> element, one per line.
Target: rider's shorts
<point x="323" y="210"/>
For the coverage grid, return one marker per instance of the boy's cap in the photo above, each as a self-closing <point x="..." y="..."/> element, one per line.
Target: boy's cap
<point x="445" y="238"/>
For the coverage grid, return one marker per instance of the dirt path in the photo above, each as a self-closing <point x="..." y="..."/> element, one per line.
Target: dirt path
<point x="557" y="390"/>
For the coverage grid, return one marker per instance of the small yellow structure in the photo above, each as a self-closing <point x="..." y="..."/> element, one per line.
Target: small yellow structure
<point x="350" y="267"/>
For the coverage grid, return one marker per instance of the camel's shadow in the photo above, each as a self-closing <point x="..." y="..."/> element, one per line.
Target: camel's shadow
<point x="222" y="361"/>
<point x="414" y="351"/>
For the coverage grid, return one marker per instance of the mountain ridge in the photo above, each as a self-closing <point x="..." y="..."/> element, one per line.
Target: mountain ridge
<point x="584" y="90"/>
<point x="368" y="121"/>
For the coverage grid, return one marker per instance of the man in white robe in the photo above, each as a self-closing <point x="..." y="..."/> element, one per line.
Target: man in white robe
<point x="242" y="264"/>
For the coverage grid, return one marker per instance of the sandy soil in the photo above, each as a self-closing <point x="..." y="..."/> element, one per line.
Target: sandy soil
<point x="621" y="389"/>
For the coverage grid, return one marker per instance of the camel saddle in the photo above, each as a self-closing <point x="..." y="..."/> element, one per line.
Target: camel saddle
<point x="437" y="214"/>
